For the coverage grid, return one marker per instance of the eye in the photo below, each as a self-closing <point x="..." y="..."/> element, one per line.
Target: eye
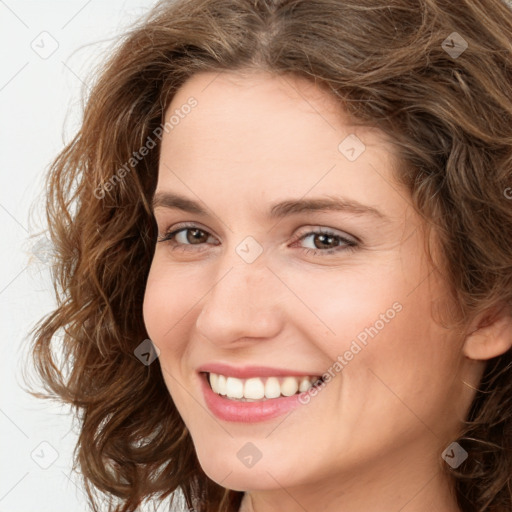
<point x="326" y="242"/>
<point x="186" y="235"/>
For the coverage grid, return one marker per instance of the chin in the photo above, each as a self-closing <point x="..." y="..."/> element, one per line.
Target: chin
<point x="257" y="478"/>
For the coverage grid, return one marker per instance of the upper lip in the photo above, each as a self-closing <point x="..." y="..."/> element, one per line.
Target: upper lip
<point x="245" y="372"/>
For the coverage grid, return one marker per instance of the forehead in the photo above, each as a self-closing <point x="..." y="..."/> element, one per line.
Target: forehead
<point x="254" y="108"/>
<point x="268" y="136"/>
<point x="254" y="114"/>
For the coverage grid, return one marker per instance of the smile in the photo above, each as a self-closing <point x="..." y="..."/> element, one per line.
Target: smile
<point x="254" y="393"/>
<point x="260" y="388"/>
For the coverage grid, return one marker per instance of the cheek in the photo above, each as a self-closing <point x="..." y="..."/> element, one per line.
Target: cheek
<point x="422" y="356"/>
<point x="168" y="297"/>
<point x="404" y="376"/>
<point x="347" y="304"/>
<point x="377" y="323"/>
<point x="154" y="307"/>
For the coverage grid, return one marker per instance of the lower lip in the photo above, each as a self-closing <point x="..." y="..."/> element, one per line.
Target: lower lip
<point x="247" y="412"/>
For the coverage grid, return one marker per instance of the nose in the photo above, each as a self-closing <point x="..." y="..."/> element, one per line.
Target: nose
<point x="244" y="302"/>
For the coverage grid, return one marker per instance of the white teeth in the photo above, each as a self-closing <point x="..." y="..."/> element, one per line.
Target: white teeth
<point x="305" y="384"/>
<point x="254" y="388"/>
<point x="234" y="387"/>
<point x="289" y="386"/>
<point x="257" y="388"/>
<point x="272" y="388"/>
<point x="221" y="385"/>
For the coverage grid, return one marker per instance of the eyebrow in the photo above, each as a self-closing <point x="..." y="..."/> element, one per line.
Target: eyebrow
<point x="278" y="210"/>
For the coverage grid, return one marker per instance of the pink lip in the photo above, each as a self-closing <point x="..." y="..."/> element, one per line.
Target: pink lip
<point x="247" y="372"/>
<point x="247" y="412"/>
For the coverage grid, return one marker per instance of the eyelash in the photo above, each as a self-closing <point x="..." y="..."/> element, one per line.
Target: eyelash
<point x="350" y="244"/>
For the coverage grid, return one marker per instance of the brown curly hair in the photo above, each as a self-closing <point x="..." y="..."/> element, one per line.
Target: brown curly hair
<point x="450" y="117"/>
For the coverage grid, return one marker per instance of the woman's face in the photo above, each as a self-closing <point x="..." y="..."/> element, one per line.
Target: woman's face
<point x="268" y="283"/>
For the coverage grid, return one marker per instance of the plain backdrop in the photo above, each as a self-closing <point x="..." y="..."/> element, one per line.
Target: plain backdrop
<point x="48" y="49"/>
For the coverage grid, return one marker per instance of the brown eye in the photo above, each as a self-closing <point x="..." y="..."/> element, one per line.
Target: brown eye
<point x="193" y="236"/>
<point x="186" y="236"/>
<point x="325" y="242"/>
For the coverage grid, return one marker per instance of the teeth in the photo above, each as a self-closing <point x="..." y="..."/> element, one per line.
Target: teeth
<point x="214" y="381"/>
<point x="289" y="386"/>
<point x="234" y="387"/>
<point x="305" y="384"/>
<point x="254" y="388"/>
<point x="272" y="388"/>
<point x="221" y="384"/>
<point x="257" y="388"/>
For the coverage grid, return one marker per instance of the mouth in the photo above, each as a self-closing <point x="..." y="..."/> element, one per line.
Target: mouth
<point x="259" y="389"/>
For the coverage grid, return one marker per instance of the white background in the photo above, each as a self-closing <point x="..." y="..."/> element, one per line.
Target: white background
<point x="40" y="108"/>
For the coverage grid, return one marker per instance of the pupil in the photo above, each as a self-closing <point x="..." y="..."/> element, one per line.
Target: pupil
<point x="323" y="239"/>
<point x="196" y="235"/>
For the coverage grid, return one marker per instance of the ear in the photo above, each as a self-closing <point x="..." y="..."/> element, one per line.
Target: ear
<point x="490" y="335"/>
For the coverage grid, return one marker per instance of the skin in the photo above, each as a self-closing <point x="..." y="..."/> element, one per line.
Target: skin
<point x="372" y="438"/>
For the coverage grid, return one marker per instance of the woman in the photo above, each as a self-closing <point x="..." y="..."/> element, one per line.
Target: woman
<point x="284" y="236"/>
